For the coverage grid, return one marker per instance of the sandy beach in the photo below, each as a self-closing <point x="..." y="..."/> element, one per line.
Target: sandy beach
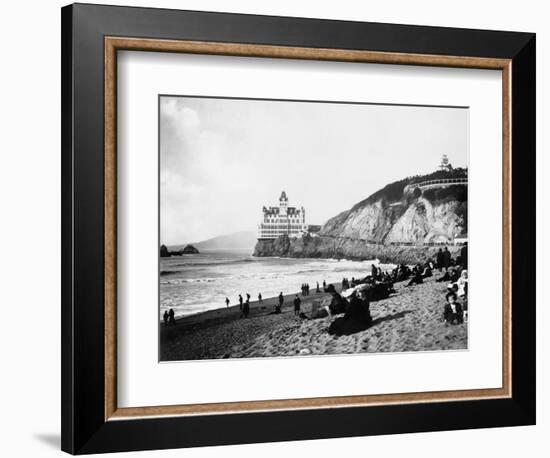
<point x="411" y="319"/>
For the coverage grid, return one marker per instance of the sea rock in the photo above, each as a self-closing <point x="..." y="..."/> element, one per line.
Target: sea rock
<point x="190" y="249"/>
<point x="164" y="253"/>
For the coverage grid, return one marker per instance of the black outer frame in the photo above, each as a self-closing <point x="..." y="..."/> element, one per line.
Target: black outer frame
<point x="84" y="429"/>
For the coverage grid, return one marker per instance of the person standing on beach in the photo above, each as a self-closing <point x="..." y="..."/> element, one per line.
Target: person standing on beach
<point x="171" y="318"/>
<point x="260" y="298"/>
<point x="446" y="259"/>
<point x="281" y="302"/>
<point x="227" y="302"/>
<point x="165" y="316"/>
<point x="318" y="290"/>
<point x="439" y="259"/>
<point x="246" y="309"/>
<point x="240" y="302"/>
<point x="324" y="285"/>
<point x="248" y="297"/>
<point x="297" y="303"/>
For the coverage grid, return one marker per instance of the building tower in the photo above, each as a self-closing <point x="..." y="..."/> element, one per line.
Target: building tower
<point x="445" y="164"/>
<point x="283" y="204"/>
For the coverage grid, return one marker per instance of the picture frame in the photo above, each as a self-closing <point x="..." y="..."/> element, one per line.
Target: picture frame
<point x="92" y="35"/>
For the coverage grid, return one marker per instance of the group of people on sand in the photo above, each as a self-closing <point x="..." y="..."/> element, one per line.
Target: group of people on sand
<point x="244" y="306"/>
<point x="357" y="294"/>
<point x="169" y="317"/>
<point x="419" y="272"/>
<point x="354" y="303"/>
<point x="456" y="274"/>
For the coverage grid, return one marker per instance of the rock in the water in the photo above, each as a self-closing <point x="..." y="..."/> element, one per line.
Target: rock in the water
<point x="164" y="253"/>
<point x="190" y="249"/>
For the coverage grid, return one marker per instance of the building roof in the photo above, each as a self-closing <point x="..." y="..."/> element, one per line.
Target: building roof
<point x="277" y="210"/>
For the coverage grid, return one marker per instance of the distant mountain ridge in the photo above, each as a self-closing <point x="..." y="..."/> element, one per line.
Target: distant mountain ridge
<point x="237" y="240"/>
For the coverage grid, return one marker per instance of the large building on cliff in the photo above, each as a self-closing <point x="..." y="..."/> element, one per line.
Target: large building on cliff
<point x="282" y="220"/>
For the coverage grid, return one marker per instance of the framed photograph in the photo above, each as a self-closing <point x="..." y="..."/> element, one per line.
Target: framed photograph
<point x="282" y="228"/>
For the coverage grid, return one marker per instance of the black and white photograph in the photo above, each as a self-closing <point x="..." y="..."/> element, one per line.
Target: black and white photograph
<point x="299" y="228"/>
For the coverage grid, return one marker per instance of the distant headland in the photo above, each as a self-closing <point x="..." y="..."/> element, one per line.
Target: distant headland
<point x="188" y="249"/>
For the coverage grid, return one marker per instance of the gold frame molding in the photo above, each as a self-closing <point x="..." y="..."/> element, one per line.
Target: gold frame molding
<point x="114" y="44"/>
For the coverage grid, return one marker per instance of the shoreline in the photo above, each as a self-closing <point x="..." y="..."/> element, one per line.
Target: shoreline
<point x="266" y="302"/>
<point x="362" y="268"/>
<point x="411" y="319"/>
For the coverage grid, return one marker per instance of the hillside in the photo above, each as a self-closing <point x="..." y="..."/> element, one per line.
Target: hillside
<point x="389" y="224"/>
<point x="239" y="240"/>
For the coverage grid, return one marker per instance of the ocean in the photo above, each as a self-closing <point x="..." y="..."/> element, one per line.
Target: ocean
<point x="195" y="283"/>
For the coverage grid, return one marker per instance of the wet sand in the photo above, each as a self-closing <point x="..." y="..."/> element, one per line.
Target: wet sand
<point x="411" y="319"/>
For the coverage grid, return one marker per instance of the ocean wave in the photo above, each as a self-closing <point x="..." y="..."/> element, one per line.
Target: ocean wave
<point x="212" y="262"/>
<point x="168" y="272"/>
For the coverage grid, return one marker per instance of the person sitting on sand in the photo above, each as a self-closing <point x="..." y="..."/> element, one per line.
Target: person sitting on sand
<point x="359" y="308"/>
<point x="338" y="304"/>
<point x="246" y="309"/>
<point x="445" y="277"/>
<point x="374" y="271"/>
<point x="427" y="271"/>
<point x="227" y="302"/>
<point x="455" y="274"/>
<point x="240" y="302"/>
<point x="297" y="303"/>
<point x="453" y="313"/>
<point x="461" y="283"/>
<point x="165" y="316"/>
<point x="171" y="317"/>
<point x="417" y="277"/>
<point x="260" y="300"/>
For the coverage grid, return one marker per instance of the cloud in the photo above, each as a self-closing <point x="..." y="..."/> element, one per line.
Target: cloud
<point x="223" y="159"/>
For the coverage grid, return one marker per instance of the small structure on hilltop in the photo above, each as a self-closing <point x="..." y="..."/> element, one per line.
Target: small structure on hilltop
<point x="445" y="164"/>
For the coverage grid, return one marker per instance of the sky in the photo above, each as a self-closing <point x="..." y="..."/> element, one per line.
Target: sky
<point x="222" y="160"/>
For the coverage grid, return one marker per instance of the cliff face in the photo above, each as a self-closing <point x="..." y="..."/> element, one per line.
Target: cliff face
<point x="396" y="224"/>
<point x="419" y="221"/>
